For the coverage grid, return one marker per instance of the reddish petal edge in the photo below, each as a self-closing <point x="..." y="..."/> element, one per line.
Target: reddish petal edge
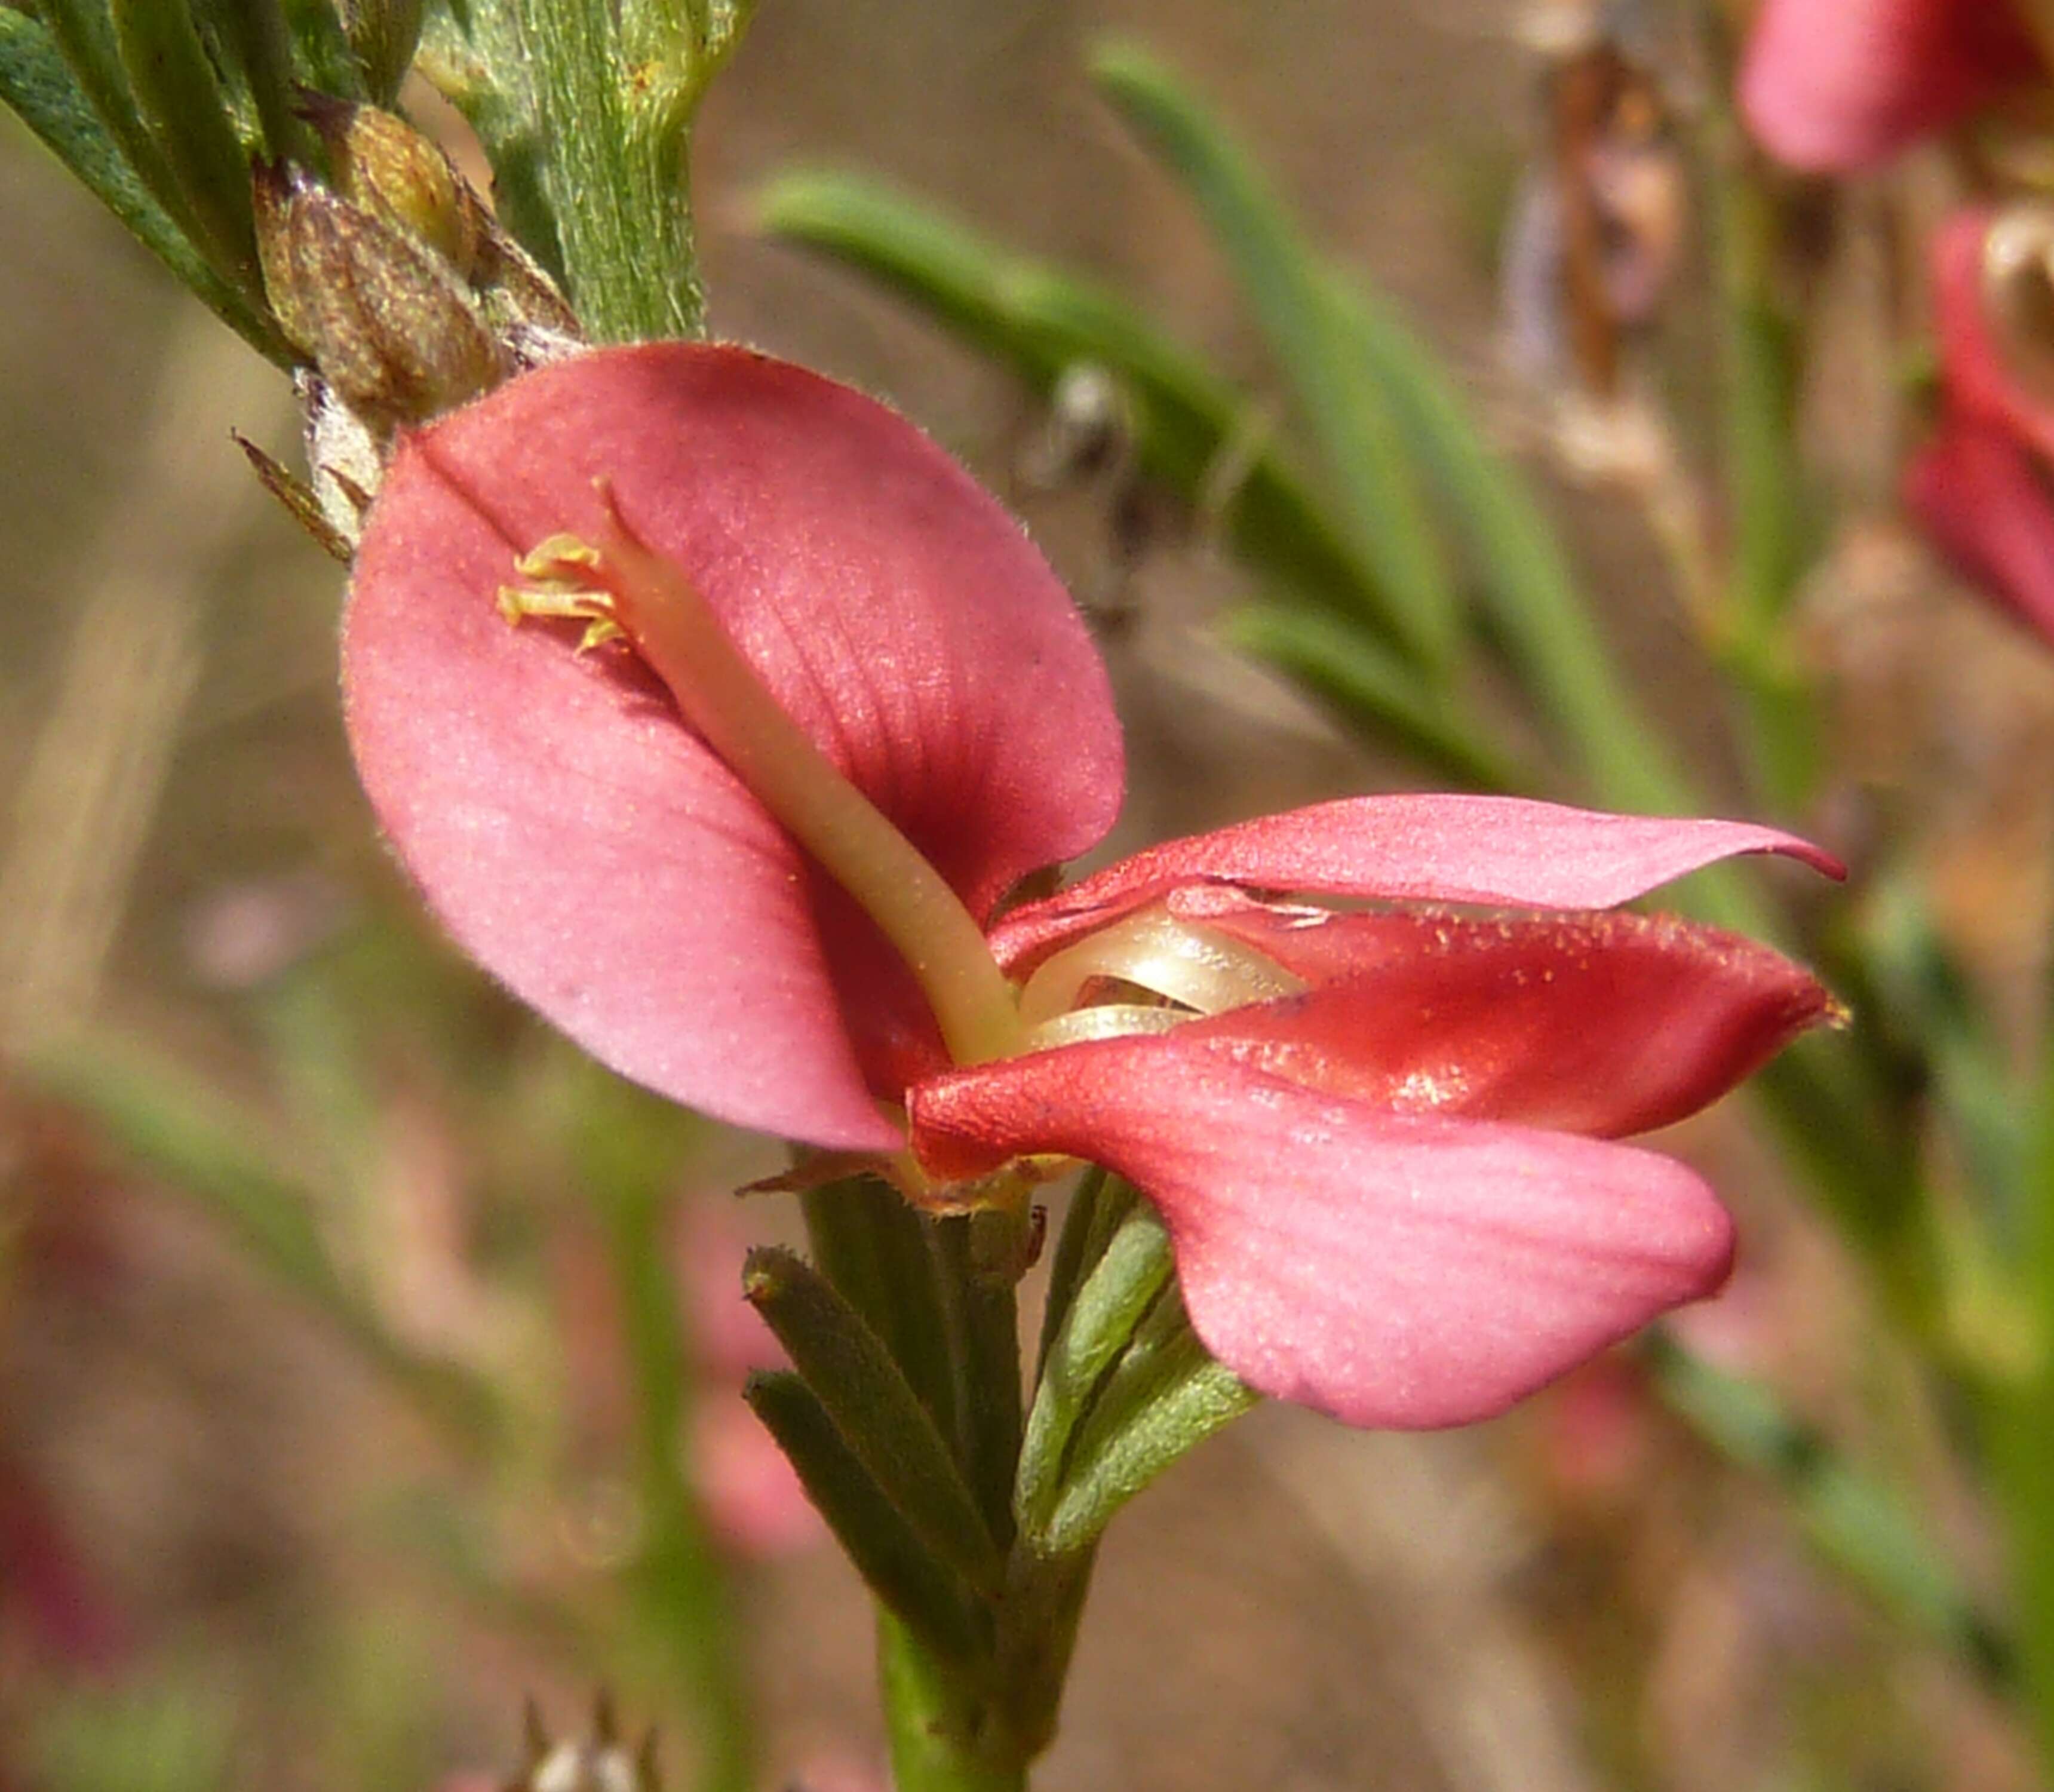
<point x="1977" y="492"/>
<point x="1496" y="852"/>
<point x="1395" y="1271"/>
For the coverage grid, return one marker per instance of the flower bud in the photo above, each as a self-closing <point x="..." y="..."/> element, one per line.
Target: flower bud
<point x="384" y="319"/>
<point x="382" y="164"/>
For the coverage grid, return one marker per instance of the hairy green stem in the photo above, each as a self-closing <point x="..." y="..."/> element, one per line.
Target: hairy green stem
<point x="945" y="1737"/>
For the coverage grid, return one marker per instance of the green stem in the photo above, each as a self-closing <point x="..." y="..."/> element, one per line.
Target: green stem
<point x="614" y="170"/>
<point x="678" y="1581"/>
<point x="945" y="1737"/>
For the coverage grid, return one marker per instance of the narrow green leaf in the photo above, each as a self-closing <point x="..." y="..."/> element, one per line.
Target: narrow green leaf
<point x="157" y="1115"/>
<point x="875" y="1409"/>
<point x="1351" y="416"/>
<point x="2018" y="1432"/>
<point x="1372" y="689"/>
<point x="1100" y="1321"/>
<point x="84" y="33"/>
<point x="908" y="1580"/>
<point x="1078" y="1249"/>
<point x="1856" y="1523"/>
<point x="1536" y="607"/>
<point x="322" y="52"/>
<point x="36" y="82"/>
<point x="255" y="33"/>
<point x="869" y="1242"/>
<point x="183" y="108"/>
<point x="1185" y="1397"/>
<point x="1769" y="498"/>
<point x="1189" y="425"/>
<point x="383" y="34"/>
<point x="1928" y="993"/>
<point x="628" y="1147"/>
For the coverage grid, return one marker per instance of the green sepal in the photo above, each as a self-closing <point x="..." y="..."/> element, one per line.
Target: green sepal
<point x="1109" y="1304"/>
<point x="1041" y="321"/>
<point x="875" y="1409"/>
<point x="1350" y="417"/>
<point x="908" y="1579"/>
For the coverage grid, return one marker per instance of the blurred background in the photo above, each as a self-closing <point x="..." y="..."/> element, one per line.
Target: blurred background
<point x="288" y="1514"/>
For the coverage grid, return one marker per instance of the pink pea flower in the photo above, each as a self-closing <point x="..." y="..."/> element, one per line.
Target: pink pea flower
<point x="1981" y="485"/>
<point x="1381" y="1139"/>
<point x="1831" y="86"/>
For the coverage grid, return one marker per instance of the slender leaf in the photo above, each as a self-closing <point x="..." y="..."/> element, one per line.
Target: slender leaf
<point x="1856" y="1523"/>
<point x="1098" y="1325"/>
<point x="322" y="52"/>
<point x="84" y="33"/>
<point x="1162" y="1416"/>
<point x="209" y="1150"/>
<point x="875" y="1409"/>
<point x="1189" y="424"/>
<point x="182" y="105"/>
<point x="1078" y="1249"/>
<point x="37" y="83"/>
<point x="255" y="33"/>
<point x="869" y="1241"/>
<point x="1351" y="416"/>
<point x="908" y="1579"/>
<point x="1535" y="605"/>
<point x="975" y="1268"/>
<point x="1371" y="689"/>
<point x="383" y="34"/>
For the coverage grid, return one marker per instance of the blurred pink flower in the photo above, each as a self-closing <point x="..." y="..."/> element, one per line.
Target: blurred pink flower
<point x="1380" y="1140"/>
<point x="1980" y="486"/>
<point x="1834" y="85"/>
